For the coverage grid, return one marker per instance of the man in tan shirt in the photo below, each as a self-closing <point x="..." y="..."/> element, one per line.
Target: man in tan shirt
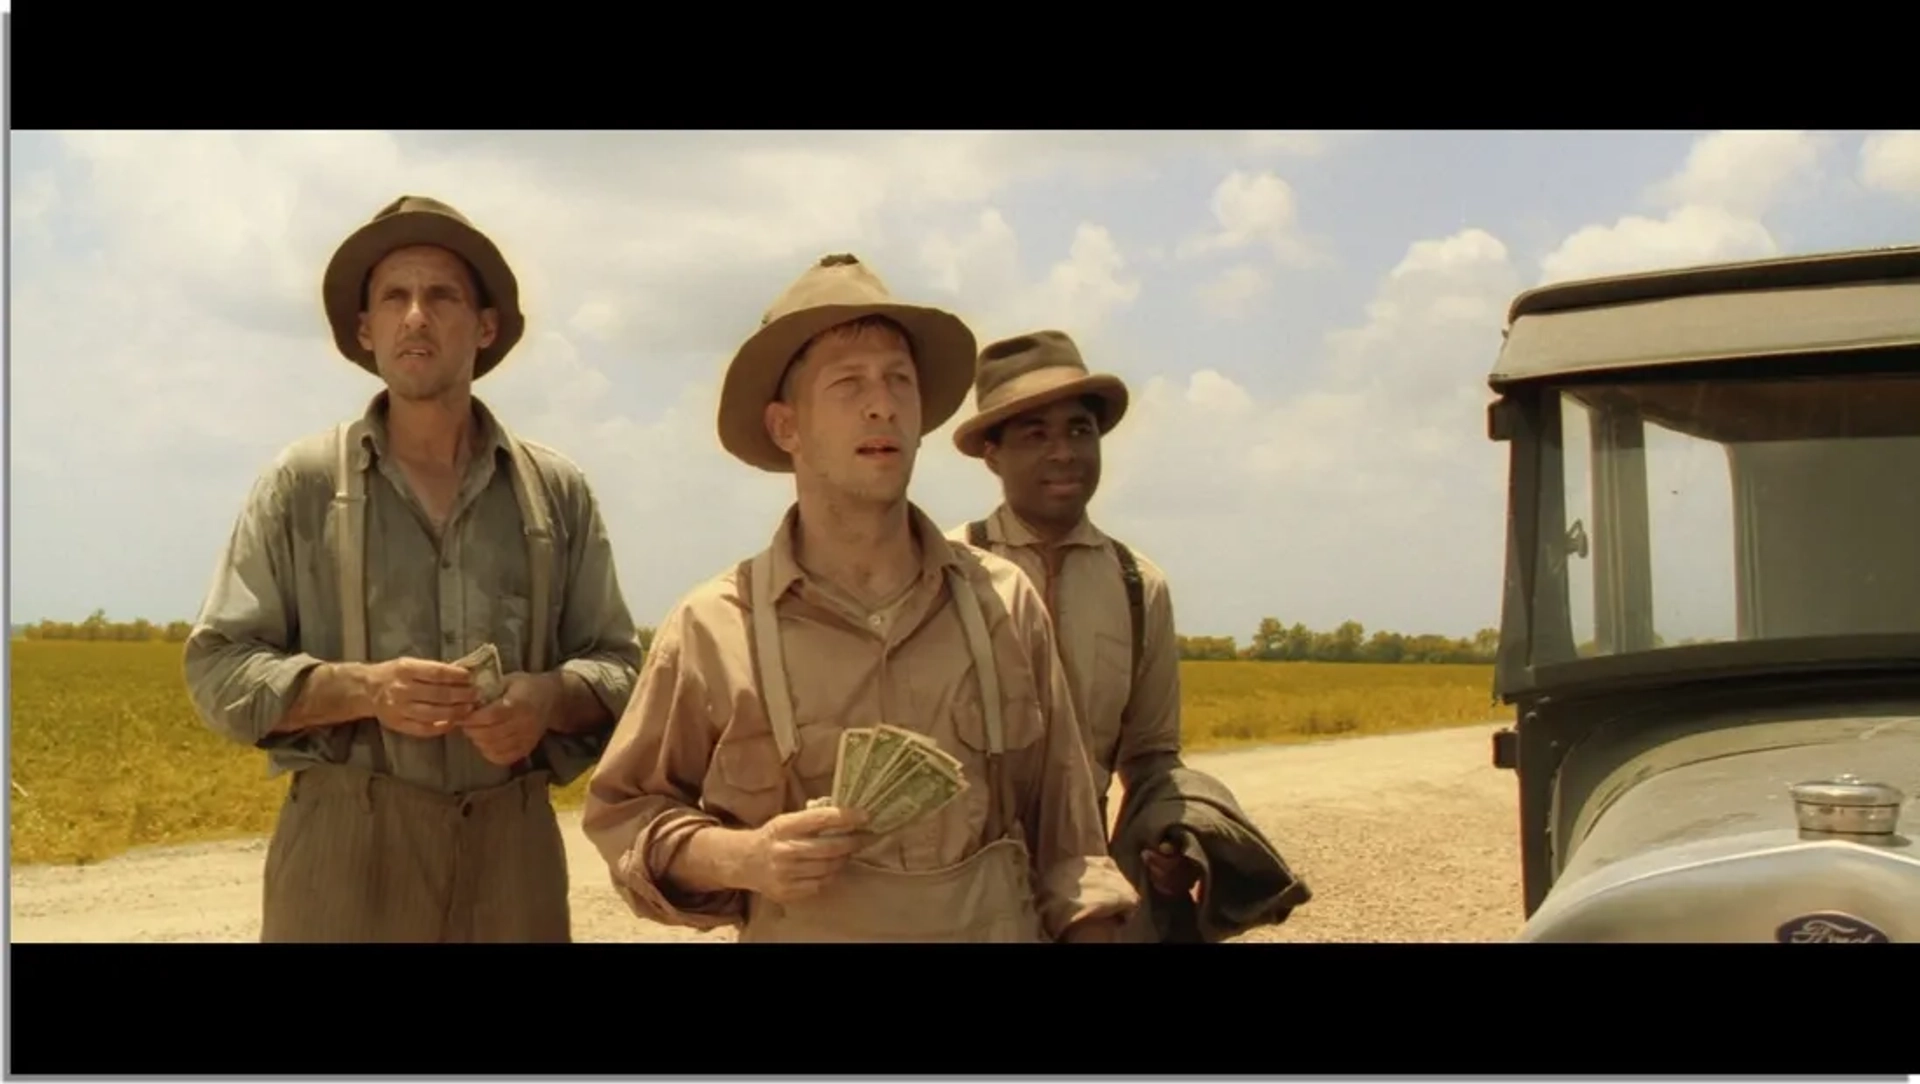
<point x="369" y="557"/>
<point x="858" y="613"/>
<point x="1039" y="422"/>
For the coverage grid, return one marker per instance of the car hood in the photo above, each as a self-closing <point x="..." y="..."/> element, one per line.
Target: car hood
<point x="1698" y="839"/>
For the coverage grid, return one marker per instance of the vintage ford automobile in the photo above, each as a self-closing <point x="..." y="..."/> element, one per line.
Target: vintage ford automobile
<point x="1711" y="622"/>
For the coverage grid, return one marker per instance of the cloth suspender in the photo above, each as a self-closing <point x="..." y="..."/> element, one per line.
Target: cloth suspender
<point x="350" y="544"/>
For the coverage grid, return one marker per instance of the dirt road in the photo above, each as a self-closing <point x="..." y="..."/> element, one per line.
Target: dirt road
<point x="1402" y="838"/>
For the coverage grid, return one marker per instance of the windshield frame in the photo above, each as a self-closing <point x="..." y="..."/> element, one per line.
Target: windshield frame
<point x="1536" y="595"/>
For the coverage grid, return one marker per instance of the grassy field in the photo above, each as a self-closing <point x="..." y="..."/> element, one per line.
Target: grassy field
<point x="107" y="754"/>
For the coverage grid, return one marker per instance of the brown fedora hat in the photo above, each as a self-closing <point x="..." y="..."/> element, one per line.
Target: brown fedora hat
<point x="837" y="290"/>
<point x="408" y="221"/>
<point x="1030" y="371"/>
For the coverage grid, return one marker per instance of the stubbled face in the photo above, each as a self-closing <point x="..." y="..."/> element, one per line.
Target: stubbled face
<point x="424" y="323"/>
<point x="1048" y="460"/>
<point x="850" y="415"/>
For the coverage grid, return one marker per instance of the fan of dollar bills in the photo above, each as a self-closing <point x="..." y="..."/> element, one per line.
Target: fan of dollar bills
<point x="484" y="665"/>
<point x="897" y="777"/>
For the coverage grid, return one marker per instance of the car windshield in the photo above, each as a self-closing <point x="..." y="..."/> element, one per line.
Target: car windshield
<point x="1691" y="512"/>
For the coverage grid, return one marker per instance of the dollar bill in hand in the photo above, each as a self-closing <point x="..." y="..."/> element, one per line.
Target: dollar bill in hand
<point x="897" y="777"/>
<point x="893" y="754"/>
<point x="913" y="797"/>
<point x="484" y="664"/>
<point x="855" y="746"/>
<point x="886" y="750"/>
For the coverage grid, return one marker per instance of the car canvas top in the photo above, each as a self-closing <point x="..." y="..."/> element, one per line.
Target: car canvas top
<point x="1864" y="299"/>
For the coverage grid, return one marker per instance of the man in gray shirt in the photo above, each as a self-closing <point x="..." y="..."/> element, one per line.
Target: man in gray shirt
<point x="366" y="559"/>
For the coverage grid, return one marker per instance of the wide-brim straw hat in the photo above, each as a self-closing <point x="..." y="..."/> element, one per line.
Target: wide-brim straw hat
<point x="1027" y="372"/>
<point x="837" y="290"/>
<point x="409" y="221"/>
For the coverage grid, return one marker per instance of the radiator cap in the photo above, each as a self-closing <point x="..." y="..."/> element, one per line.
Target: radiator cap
<point x="1847" y="806"/>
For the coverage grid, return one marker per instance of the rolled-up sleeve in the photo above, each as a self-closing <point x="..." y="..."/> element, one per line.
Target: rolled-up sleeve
<point x="1077" y="878"/>
<point x="598" y="640"/>
<point x="242" y="670"/>
<point x="642" y="801"/>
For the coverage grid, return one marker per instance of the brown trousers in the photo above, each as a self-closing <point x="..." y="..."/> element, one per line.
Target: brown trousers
<point x="363" y="857"/>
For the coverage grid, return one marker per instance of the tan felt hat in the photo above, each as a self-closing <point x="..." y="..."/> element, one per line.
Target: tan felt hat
<point x="1030" y="371"/>
<point x="408" y="221"/>
<point x="837" y="290"/>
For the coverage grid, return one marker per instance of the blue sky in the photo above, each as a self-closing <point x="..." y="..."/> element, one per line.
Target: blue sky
<point x="1306" y="319"/>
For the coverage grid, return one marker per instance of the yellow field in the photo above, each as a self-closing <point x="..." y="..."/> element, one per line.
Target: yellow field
<point x="107" y="754"/>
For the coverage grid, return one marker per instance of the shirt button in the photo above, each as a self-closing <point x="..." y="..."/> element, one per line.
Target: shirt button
<point x="876" y="621"/>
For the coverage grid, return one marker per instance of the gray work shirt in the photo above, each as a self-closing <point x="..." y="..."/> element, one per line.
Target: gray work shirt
<point x="272" y="614"/>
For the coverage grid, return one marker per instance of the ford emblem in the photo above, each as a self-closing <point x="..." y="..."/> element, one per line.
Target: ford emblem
<point x="1829" y="928"/>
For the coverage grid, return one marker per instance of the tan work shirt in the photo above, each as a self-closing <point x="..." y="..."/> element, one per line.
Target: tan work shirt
<point x="1124" y="714"/>
<point x="696" y="749"/>
<point x="272" y="614"/>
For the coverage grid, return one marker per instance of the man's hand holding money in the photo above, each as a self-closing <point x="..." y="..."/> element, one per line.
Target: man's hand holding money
<point x="790" y="857"/>
<point x="794" y="855"/>
<point x="420" y="697"/>
<point x="510" y="727"/>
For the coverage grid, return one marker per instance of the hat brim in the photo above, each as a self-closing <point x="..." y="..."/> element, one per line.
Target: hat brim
<point x="355" y="259"/>
<point x="1035" y="390"/>
<point x="943" y="352"/>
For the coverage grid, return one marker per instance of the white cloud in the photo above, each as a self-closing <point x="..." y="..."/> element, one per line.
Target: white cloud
<point x="1744" y="172"/>
<point x="1890" y="162"/>
<point x="1252" y="209"/>
<point x="981" y="271"/>
<point x="1717" y="201"/>
<point x="1687" y="236"/>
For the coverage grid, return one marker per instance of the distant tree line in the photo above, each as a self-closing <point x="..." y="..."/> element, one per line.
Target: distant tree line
<point x="1276" y="642"/>
<point x="1272" y="642"/>
<point x="97" y="627"/>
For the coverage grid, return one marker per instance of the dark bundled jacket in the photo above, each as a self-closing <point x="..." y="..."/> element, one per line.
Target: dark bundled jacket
<point x="1245" y="883"/>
